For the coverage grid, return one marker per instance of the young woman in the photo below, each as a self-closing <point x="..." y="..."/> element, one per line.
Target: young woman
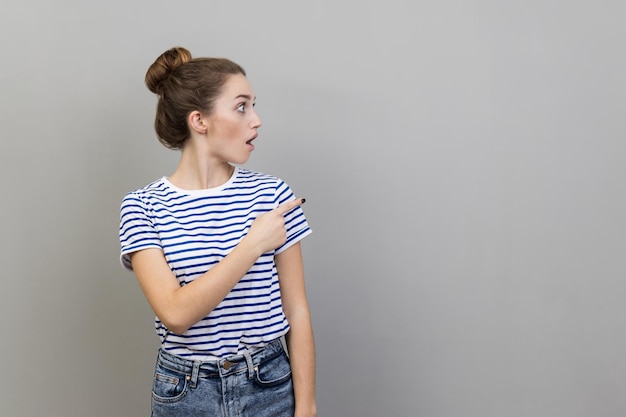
<point x="216" y="251"/>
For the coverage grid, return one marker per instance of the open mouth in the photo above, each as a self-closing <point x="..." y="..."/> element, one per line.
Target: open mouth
<point x="249" y="141"/>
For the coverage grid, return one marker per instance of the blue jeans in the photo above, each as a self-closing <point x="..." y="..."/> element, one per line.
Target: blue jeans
<point x="256" y="385"/>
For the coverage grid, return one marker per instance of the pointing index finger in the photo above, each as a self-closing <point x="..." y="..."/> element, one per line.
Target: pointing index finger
<point x="289" y="205"/>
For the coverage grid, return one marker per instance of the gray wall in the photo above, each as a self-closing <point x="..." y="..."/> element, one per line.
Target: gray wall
<point x="464" y="166"/>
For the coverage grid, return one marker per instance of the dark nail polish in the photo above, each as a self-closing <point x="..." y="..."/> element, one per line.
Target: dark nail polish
<point x="303" y="200"/>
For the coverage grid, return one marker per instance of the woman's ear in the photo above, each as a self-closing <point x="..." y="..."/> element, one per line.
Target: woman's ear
<point x="197" y="122"/>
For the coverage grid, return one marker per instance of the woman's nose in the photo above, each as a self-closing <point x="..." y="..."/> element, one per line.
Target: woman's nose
<point x="256" y="121"/>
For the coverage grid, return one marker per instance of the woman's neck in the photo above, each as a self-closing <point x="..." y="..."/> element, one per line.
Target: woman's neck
<point x="197" y="171"/>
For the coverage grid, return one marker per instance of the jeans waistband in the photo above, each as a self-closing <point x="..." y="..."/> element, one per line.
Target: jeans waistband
<point x="247" y="362"/>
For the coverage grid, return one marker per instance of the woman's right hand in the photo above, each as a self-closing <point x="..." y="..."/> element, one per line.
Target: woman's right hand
<point x="268" y="230"/>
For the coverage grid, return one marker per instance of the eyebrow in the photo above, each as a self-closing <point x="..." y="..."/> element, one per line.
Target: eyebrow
<point x="246" y="96"/>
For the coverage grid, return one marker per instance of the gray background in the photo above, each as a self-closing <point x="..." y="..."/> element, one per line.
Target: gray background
<point x="464" y="166"/>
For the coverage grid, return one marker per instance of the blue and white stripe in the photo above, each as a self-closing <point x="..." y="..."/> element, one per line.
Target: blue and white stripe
<point x="198" y="228"/>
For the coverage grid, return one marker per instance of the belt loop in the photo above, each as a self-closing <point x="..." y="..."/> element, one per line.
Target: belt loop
<point x="194" y="374"/>
<point x="246" y="355"/>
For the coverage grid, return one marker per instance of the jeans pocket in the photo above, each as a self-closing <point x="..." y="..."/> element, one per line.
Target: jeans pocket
<point x="169" y="386"/>
<point x="273" y="372"/>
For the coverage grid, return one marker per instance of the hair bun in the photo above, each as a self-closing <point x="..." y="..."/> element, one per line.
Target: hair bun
<point x="164" y="65"/>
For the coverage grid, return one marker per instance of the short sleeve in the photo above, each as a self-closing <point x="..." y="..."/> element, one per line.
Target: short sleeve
<point x="137" y="231"/>
<point x="295" y="222"/>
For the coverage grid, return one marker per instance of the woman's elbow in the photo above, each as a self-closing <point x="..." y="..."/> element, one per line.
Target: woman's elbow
<point x="173" y="323"/>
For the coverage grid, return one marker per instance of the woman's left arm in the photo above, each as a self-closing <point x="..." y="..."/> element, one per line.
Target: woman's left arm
<point x="300" y="343"/>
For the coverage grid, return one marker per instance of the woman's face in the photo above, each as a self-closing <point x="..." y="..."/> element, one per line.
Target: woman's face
<point x="233" y="124"/>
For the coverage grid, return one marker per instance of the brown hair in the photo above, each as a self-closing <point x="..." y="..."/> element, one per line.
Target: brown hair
<point x="185" y="84"/>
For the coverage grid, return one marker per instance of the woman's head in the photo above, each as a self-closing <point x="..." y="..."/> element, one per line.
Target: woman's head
<point x="185" y="84"/>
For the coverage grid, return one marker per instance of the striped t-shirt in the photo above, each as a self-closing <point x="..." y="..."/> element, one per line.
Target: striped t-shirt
<point x="196" y="229"/>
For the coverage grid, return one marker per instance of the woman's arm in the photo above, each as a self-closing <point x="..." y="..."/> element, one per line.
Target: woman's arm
<point x="300" y="341"/>
<point x="178" y="307"/>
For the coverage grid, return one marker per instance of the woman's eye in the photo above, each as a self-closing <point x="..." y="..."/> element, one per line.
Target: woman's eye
<point x="241" y="107"/>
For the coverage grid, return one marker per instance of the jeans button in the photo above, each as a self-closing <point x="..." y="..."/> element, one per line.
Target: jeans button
<point x="226" y="365"/>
